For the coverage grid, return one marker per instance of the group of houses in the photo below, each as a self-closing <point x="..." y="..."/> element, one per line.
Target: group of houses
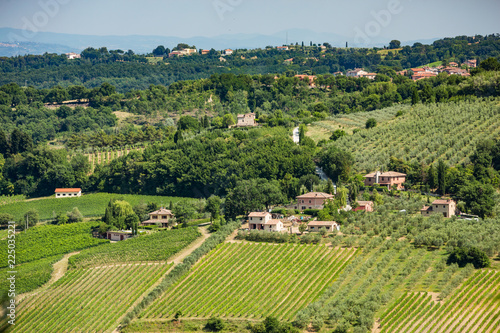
<point x="453" y="68"/>
<point x="360" y="72"/>
<point x="264" y="221"/>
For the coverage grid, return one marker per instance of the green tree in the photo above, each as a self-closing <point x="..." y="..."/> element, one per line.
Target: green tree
<point x="336" y="163"/>
<point x="337" y="134"/>
<point x="61" y="218"/>
<point x="370" y="123"/>
<point x="184" y="212"/>
<point x="215" y="324"/>
<point x="479" y="198"/>
<point x="414" y="97"/>
<point x="228" y="120"/>
<point x="132" y="222"/>
<point x="442" y="171"/>
<point x="465" y="255"/>
<point x="213" y="207"/>
<point x="31" y="217"/>
<point x="302" y="228"/>
<point x="329" y="187"/>
<point x="74" y="216"/>
<point x="432" y="178"/>
<point x="5" y="218"/>
<point x="394" y="44"/>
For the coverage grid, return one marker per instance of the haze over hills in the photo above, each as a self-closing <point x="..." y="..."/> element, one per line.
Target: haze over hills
<point x="20" y="42"/>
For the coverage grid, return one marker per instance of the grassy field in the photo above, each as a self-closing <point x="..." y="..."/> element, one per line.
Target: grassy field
<point x="423" y="134"/>
<point x="88" y="204"/>
<point x="253" y="281"/>
<point x="473" y="307"/>
<point x="86" y="300"/>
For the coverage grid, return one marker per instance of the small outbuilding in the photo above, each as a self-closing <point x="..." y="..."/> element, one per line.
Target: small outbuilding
<point x="68" y="192"/>
<point x="118" y="235"/>
<point x="315" y="226"/>
<point x="366" y="206"/>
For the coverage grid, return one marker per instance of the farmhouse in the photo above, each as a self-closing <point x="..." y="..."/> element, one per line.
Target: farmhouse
<point x="471" y="63"/>
<point x="68" y="192"/>
<point x="311" y="79"/>
<point x="73" y="55"/>
<point x="359" y="72"/>
<point x="246" y="120"/>
<point x="118" y="235"/>
<point x="445" y="207"/>
<point x="203" y="52"/>
<point x="162" y="216"/>
<point x="263" y="221"/>
<point x="366" y="206"/>
<point x="388" y="179"/>
<point x="315" y="226"/>
<point x="228" y="52"/>
<point x="312" y="200"/>
<point x="282" y="48"/>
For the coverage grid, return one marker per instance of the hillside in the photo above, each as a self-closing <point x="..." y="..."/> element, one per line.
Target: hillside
<point x="422" y="134"/>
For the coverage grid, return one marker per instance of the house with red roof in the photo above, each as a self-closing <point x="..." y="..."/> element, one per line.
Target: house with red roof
<point x="366" y="206"/>
<point x="389" y="179"/>
<point x="68" y="192"/>
<point x="316" y="226"/>
<point x="312" y="200"/>
<point x="162" y="217"/>
<point x="263" y="221"/>
<point x="447" y="207"/>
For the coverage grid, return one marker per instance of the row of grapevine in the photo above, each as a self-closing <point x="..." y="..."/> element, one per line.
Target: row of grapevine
<point x="253" y="281"/>
<point x="473" y="307"/>
<point x="86" y="300"/>
<point x="105" y="157"/>
<point x="158" y="246"/>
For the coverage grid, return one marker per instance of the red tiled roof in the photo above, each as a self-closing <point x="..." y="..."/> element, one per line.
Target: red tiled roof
<point x="387" y="174"/>
<point x="322" y="223"/>
<point x="312" y="195"/>
<point x="442" y="202"/>
<point x="66" y="190"/>
<point x="258" y="214"/>
<point x="161" y="211"/>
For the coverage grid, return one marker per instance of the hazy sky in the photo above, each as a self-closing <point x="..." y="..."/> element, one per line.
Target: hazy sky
<point x="397" y="19"/>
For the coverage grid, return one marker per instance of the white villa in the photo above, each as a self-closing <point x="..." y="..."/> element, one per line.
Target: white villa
<point x="263" y="221"/>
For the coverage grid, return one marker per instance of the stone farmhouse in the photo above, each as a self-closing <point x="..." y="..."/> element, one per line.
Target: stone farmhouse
<point x="68" y="192"/>
<point x="246" y="120"/>
<point x="312" y="200"/>
<point x="366" y="206"/>
<point x="263" y="221"/>
<point x="360" y="72"/>
<point x="163" y="216"/>
<point x="388" y="179"/>
<point x="118" y="235"/>
<point x="445" y="207"/>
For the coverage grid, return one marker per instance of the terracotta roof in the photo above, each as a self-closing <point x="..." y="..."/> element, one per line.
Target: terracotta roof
<point x="156" y="221"/>
<point x="365" y="203"/>
<point x="425" y="208"/>
<point x="258" y="214"/>
<point x="322" y="223"/>
<point x="66" y="190"/>
<point x="161" y="211"/>
<point x="442" y="202"/>
<point x="312" y="195"/>
<point x="273" y="222"/>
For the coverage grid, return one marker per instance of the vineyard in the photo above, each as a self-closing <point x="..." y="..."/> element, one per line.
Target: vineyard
<point x="90" y="205"/>
<point x="385" y="270"/>
<point x="106" y="156"/>
<point x="48" y="240"/>
<point x="424" y="133"/>
<point x="253" y="281"/>
<point x="473" y="307"/>
<point x="30" y="275"/>
<point x="87" y="300"/>
<point x="155" y="247"/>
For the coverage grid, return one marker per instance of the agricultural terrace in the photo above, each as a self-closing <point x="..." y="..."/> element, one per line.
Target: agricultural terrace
<point x="473" y="307"/>
<point x="383" y="271"/>
<point x="158" y="246"/>
<point x="90" y="205"/>
<point x="87" y="300"/>
<point x="253" y="280"/>
<point x="44" y="241"/>
<point x="423" y="134"/>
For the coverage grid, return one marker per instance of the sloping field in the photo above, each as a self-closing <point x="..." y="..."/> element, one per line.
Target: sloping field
<point x="473" y="307"/>
<point x="88" y="204"/>
<point x="424" y="133"/>
<point x="86" y="300"/>
<point x="253" y="281"/>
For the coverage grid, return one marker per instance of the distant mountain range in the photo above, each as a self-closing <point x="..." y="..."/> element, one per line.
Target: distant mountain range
<point x="21" y="42"/>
